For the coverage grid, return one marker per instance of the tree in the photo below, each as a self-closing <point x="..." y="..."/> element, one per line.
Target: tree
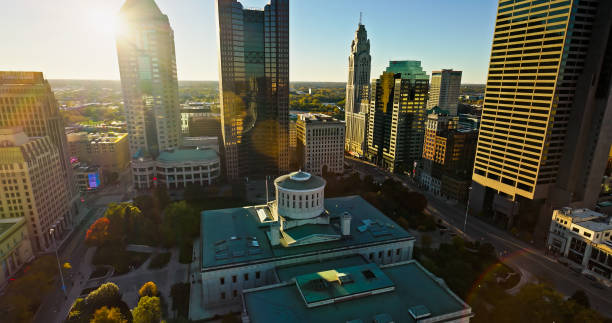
<point x="23" y="296"/>
<point x="148" y="289"/>
<point x="148" y="310"/>
<point x="581" y="298"/>
<point x="107" y="294"/>
<point x="97" y="234"/>
<point x="108" y="315"/>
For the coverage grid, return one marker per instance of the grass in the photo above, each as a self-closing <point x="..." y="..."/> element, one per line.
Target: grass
<point x="120" y="259"/>
<point x="160" y="260"/>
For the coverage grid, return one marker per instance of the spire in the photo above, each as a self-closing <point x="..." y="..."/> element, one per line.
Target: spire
<point x="360" y="16"/>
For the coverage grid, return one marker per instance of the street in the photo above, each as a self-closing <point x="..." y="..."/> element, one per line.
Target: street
<point x="514" y="252"/>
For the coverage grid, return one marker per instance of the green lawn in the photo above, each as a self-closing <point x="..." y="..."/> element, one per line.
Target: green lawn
<point x="120" y="259"/>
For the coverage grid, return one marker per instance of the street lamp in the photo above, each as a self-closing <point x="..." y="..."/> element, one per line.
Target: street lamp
<point x="466" y="211"/>
<point x="59" y="267"/>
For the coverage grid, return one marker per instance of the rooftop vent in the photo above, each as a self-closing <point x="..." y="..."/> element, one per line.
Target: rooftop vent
<point x="419" y="312"/>
<point x="383" y="318"/>
<point x="345" y="279"/>
<point x="368" y="274"/>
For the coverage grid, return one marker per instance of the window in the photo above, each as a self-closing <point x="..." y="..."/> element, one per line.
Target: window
<point x="235" y="293"/>
<point x="234" y="279"/>
<point x="380" y="254"/>
<point x="222" y="281"/>
<point x="388" y="253"/>
<point x="246" y="276"/>
<point x="371" y="257"/>
<point x="222" y="295"/>
<point x="397" y="252"/>
<point x="576" y="230"/>
<point x="257" y="274"/>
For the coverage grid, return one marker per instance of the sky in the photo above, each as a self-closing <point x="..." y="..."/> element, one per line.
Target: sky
<point x="74" y="39"/>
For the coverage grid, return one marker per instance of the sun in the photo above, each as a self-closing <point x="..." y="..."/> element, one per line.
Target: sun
<point x="102" y="20"/>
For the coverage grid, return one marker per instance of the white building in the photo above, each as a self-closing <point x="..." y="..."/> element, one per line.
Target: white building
<point x="584" y="238"/>
<point x="244" y="247"/>
<point x="175" y="169"/>
<point x="320" y="143"/>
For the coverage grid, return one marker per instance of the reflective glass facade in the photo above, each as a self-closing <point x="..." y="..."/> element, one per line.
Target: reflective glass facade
<point x="147" y="63"/>
<point x="396" y="122"/>
<point x="254" y="87"/>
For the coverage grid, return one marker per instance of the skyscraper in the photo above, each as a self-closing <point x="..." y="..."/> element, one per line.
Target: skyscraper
<point x="357" y="91"/>
<point x="254" y="87"/>
<point x="27" y="101"/>
<point x="396" y="122"/>
<point x="32" y="186"/>
<point x="546" y="117"/>
<point x="444" y="90"/>
<point x="147" y="64"/>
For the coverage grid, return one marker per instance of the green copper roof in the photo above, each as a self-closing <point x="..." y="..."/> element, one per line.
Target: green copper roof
<point x="319" y="287"/>
<point x="184" y="155"/>
<point x="300" y="181"/>
<point x="411" y="70"/>
<point x="415" y="289"/>
<point x="286" y="273"/>
<point x="237" y="236"/>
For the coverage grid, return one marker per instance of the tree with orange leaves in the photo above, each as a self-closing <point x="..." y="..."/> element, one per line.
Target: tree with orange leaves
<point x="97" y="234"/>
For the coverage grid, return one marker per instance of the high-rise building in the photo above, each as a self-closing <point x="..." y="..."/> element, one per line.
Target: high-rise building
<point x="444" y="90"/>
<point x="448" y="156"/>
<point x="357" y="91"/>
<point x="147" y="64"/>
<point x="27" y="101"/>
<point x="546" y="121"/>
<point x="190" y="110"/>
<point x="254" y="87"/>
<point x="109" y="150"/>
<point x="397" y="116"/>
<point x="320" y="143"/>
<point x="31" y="186"/>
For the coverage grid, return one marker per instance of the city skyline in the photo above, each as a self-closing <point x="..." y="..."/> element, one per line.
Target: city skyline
<point x="195" y="31"/>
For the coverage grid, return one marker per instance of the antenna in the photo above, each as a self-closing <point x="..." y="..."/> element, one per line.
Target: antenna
<point x="360" y="16"/>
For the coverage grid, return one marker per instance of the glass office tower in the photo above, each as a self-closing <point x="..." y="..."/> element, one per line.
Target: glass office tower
<point x="147" y="64"/>
<point x="396" y="122"/>
<point x="254" y="87"/>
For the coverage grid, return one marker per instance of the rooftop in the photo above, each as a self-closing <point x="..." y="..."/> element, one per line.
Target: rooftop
<point x="96" y="137"/>
<point x="286" y="273"/>
<point x="185" y="155"/>
<point x="318" y="118"/>
<point x="7" y="226"/>
<point x="239" y="236"/>
<point x="299" y="181"/>
<point x="403" y="292"/>
<point x="581" y="215"/>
